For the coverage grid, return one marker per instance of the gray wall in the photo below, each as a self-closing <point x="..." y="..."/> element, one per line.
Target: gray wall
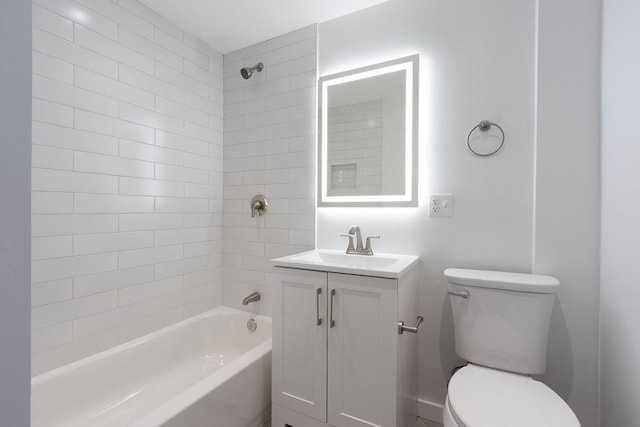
<point x="620" y="276"/>
<point x="15" y="188"/>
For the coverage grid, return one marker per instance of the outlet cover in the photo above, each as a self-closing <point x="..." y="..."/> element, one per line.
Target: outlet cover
<point x="441" y="205"/>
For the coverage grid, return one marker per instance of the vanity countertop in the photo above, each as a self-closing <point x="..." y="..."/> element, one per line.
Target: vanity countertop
<point x="334" y="261"/>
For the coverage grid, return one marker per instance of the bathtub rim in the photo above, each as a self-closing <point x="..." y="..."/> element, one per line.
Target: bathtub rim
<point x="216" y="311"/>
<point x="197" y="391"/>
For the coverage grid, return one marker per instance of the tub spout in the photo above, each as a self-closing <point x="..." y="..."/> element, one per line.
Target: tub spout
<point x="251" y="298"/>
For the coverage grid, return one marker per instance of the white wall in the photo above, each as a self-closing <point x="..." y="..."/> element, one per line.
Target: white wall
<point x="15" y="182"/>
<point x="127" y="176"/>
<point x="479" y="61"/>
<point x="567" y="205"/>
<point x="269" y="149"/>
<point x="620" y="276"/>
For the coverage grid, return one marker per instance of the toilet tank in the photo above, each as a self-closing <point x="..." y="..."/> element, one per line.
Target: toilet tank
<point x="504" y="321"/>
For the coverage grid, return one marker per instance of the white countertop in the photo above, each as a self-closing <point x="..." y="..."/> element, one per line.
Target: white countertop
<point x="378" y="265"/>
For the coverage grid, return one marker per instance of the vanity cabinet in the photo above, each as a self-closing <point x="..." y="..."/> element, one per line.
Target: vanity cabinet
<point x="299" y="355"/>
<point x="338" y="358"/>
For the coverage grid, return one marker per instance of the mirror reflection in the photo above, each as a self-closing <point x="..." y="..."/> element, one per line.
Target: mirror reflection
<point x="367" y="135"/>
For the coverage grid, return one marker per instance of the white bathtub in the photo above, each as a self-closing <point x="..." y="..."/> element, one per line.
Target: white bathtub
<point x="208" y="370"/>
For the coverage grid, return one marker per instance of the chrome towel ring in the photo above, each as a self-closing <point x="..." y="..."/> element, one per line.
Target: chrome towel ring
<point x="484" y="126"/>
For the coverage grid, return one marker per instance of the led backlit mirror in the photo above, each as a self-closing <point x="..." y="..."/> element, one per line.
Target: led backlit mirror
<point x="367" y="150"/>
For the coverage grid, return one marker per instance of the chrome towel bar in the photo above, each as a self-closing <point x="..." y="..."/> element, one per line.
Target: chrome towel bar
<point x="413" y="329"/>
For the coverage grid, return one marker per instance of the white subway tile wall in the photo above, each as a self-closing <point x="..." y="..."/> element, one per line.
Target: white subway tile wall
<point x="127" y="176"/>
<point x="269" y="140"/>
<point x="354" y="155"/>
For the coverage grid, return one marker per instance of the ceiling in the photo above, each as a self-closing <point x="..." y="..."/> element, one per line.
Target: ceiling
<point x="228" y="25"/>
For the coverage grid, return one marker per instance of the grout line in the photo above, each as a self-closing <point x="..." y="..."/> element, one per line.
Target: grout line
<point x="128" y="65"/>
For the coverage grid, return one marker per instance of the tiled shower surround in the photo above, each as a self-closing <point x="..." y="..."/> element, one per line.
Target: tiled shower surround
<point x="131" y="221"/>
<point x="269" y="140"/>
<point x="127" y="176"/>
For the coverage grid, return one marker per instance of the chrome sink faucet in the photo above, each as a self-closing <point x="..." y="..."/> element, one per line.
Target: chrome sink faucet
<point x="354" y="231"/>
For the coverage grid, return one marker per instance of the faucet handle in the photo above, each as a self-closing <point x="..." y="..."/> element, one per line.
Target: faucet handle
<point x="350" y="247"/>
<point x="258" y="205"/>
<point x="368" y="250"/>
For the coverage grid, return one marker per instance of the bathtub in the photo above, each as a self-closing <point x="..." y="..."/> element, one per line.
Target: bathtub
<point x="208" y="370"/>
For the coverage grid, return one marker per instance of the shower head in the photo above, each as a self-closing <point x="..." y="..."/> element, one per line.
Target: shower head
<point x="246" y="72"/>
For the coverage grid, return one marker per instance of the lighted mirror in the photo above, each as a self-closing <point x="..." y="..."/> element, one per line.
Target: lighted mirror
<point x="367" y="144"/>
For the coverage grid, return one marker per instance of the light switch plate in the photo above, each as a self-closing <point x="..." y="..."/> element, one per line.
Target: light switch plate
<point x="441" y="205"/>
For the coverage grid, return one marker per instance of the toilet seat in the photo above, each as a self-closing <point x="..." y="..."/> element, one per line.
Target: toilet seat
<point x="484" y="397"/>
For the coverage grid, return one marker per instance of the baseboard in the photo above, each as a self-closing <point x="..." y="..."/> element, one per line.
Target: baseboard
<point x="430" y="410"/>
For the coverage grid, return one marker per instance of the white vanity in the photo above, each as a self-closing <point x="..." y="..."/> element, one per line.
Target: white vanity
<point x="339" y="357"/>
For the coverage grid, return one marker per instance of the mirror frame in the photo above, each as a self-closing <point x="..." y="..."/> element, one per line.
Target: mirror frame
<point x="410" y="196"/>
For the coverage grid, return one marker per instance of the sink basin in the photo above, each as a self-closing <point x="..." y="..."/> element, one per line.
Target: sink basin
<point x="359" y="261"/>
<point x="379" y="265"/>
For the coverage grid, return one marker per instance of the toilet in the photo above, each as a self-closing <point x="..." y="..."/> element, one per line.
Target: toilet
<point x="501" y="322"/>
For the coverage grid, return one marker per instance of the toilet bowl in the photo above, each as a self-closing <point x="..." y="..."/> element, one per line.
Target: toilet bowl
<point x="485" y="397"/>
<point x="501" y="323"/>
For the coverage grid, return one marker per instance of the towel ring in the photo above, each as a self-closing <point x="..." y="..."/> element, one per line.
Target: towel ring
<point x="484" y="126"/>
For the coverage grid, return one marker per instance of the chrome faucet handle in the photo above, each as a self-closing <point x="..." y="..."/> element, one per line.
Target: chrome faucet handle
<point x="258" y="205"/>
<point x="355" y="230"/>
<point x="350" y="247"/>
<point x="368" y="250"/>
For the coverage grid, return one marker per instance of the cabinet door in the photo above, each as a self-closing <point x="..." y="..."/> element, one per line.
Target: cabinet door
<point x="362" y="357"/>
<point x="300" y="341"/>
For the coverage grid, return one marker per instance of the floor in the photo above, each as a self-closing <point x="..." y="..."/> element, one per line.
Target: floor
<point x="420" y="422"/>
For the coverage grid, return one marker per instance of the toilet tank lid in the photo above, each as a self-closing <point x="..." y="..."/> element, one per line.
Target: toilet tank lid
<point x="519" y="282"/>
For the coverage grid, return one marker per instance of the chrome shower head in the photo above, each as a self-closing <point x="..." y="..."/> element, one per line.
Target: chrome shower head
<point x="246" y="72"/>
